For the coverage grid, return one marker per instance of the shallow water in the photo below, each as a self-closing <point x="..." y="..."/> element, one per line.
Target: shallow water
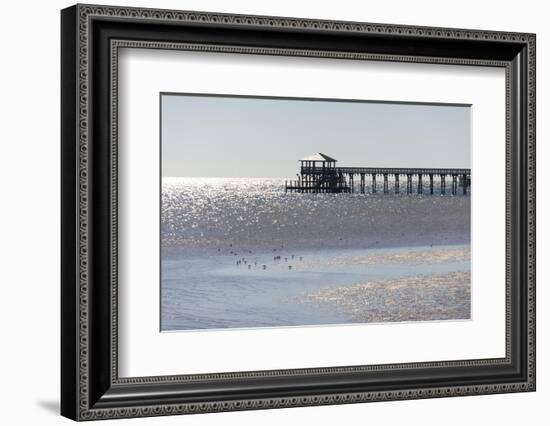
<point x="221" y="239"/>
<point x="251" y="214"/>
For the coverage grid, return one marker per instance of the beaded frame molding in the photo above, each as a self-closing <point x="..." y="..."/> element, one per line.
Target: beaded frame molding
<point x="91" y="38"/>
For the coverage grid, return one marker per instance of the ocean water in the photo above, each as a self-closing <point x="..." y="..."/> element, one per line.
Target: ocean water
<point x="243" y="253"/>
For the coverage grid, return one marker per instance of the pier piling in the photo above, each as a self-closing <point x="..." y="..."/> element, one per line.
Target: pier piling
<point x="454" y="190"/>
<point x="396" y="183"/>
<point x="409" y="183"/>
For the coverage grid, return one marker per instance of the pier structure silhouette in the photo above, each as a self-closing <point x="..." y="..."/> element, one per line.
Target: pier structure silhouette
<point x="319" y="174"/>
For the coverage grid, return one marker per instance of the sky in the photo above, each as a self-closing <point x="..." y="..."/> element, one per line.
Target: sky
<point x="215" y="136"/>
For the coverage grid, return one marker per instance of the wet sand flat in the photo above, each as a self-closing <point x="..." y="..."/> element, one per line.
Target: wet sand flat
<point x="418" y="298"/>
<point x="415" y="256"/>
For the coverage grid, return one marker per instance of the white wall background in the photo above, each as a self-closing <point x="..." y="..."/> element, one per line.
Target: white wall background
<point x="29" y="212"/>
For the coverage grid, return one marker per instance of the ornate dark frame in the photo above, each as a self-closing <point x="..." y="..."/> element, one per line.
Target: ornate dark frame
<point x="91" y="37"/>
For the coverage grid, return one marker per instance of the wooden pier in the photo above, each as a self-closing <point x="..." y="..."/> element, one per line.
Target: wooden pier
<point x="319" y="174"/>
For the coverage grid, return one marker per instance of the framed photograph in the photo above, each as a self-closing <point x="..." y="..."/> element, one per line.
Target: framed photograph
<point x="263" y="212"/>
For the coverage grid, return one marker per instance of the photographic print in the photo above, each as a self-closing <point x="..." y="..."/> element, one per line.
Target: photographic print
<point x="281" y="212"/>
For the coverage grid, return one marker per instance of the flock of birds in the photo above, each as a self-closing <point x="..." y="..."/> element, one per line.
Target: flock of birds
<point x="244" y="261"/>
<point x="277" y="258"/>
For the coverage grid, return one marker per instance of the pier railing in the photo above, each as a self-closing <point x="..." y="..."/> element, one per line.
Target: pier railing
<point x="386" y="170"/>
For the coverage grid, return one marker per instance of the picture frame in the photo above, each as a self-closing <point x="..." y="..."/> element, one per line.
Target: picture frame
<point x="91" y="37"/>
